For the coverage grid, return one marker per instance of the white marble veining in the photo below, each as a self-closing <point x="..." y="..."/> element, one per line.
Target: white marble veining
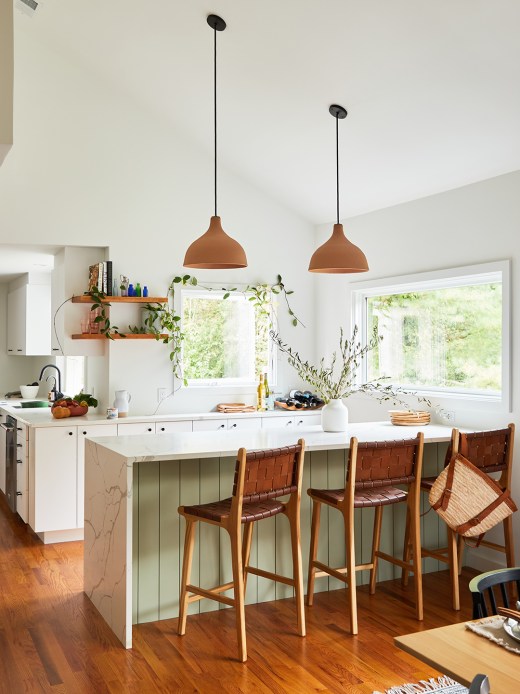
<point x="108" y="494"/>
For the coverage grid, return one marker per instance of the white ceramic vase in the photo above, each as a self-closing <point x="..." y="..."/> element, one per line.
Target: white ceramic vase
<point x="334" y="416"/>
<point x="121" y="402"/>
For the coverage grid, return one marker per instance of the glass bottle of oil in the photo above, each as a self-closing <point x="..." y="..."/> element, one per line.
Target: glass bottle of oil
<point x="260" y="395"/>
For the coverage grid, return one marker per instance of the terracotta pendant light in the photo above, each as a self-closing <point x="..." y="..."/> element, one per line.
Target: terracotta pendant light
<point x="338" y="254"/>
<point x="215" y="250"/>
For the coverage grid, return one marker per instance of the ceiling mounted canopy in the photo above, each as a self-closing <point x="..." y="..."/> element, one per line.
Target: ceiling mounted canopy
<point x="215" y="250"/>
<point x="338" y="255"/>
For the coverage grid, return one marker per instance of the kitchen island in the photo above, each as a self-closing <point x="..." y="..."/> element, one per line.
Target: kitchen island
<point x="134" y="536"/>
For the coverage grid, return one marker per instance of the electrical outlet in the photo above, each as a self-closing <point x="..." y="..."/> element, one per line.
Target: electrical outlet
<point x="449" y="416"/>
<point x="161" y="394"/>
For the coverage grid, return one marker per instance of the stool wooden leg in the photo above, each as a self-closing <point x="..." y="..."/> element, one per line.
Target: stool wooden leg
<point x="406" y="549"/>
<point x="313" y="551"/>
<point x="454" y="571"/>
<point x="376" y="540"/>
<point x="509" y="542"/>
<point x="246" y="549"/>
<point x="238" y="584"/>
<point x="189" y="541"/>
<point x="415" y="531"/>
<point x="294" y="520"/>
<point x="350" y="555"/>
<point x="460" y="553"/>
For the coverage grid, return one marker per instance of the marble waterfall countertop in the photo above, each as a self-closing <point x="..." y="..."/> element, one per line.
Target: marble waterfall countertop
<point x="109" y="484"/>
<point x="215" y="444"/>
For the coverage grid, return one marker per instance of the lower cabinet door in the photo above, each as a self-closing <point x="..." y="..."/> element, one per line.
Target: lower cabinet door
<point x="55" y="478"/>
<point x="90" y="430"/>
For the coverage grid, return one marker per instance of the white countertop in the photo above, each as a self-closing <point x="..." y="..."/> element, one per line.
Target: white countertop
<point x="42" y="417"/>
<point x="209" y="444"/>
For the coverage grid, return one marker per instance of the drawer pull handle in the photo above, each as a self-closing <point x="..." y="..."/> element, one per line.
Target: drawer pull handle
<point x="163" y="429"/>
<point x="288" y="423"/>
<point x="222" y="426"/>
<point x="70" y="433"/>
<point x="19" y="462"/>
<point x="149" y="428"/>
<point x="233" y="426"/>
<point x="19" y="494"/>
<point x="84" y="433"/>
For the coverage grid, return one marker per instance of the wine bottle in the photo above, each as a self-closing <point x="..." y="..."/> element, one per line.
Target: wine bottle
<point x="260" y="398"/>
<point x="269" y="400"/>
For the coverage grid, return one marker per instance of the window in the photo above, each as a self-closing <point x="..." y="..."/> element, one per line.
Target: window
<point x="72" y="374"/>
<point x="445" y="332"/>
<point x="226" y="340"/>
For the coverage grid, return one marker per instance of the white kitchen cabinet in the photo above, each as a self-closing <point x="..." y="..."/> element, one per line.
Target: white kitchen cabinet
<point x="28" y="320"/>
<point x="135" y="428"/>
<point x="89" y="430"/>
<point x="246" y="424"/>
<point x="54" y="492"/>
<point x="295" y="421"/>
<point x="22" y="471"/>
<point x="173" y="427"/>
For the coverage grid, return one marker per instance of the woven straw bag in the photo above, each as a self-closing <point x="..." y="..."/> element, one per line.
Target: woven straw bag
<point x="469" y="501"/>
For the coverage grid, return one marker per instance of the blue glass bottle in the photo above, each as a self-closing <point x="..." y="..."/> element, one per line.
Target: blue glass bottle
<point x="145" y="290"/>
<point x="131" y="291"/>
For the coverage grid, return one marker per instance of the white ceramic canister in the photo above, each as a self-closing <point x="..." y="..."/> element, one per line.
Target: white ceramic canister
<point x="334" y="416"/>
<point x="121" y="402"/>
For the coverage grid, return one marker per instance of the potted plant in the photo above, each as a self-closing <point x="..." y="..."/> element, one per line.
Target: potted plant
<point x="337" y="380"/>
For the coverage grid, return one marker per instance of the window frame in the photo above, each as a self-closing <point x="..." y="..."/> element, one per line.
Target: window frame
<point x="229" y="384"/>
<point x="440" y="279"/>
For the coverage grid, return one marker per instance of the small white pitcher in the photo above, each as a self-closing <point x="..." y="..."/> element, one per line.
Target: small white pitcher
<point x="123" y="397"/>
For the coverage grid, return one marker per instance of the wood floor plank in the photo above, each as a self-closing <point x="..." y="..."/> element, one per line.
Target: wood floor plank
<point x="52" y="639"/>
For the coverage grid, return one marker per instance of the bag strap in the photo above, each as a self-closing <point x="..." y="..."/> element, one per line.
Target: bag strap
<point x="444" y="499"/>
<point x="464" y="527"/>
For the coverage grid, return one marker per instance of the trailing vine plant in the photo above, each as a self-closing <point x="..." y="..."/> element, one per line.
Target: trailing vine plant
<point x="163" y="321"/>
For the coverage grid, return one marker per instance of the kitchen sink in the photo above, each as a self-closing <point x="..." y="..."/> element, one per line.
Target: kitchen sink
<point x="33" y="404"/>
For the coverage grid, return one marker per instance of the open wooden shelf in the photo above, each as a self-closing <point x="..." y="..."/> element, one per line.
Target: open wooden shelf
<point x="127" y="336"/>
<point x="87" y="299"/>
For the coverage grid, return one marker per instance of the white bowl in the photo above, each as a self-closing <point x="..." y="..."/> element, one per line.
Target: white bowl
<point x="29" y="391"/>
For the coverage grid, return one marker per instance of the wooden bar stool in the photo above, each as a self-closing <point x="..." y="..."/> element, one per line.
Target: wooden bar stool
<point x="492" y="452"/>
<point x="261" y="478"/>
<point x="373" y="470"/>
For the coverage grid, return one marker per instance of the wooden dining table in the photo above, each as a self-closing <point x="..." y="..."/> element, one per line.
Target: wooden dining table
<point x="462" y="654"/>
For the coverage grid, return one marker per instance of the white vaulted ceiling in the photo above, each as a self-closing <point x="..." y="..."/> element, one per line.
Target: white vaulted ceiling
<point x="432" y="87"/>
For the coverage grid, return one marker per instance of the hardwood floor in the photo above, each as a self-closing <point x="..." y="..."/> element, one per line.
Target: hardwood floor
<point x="53" y="640"/>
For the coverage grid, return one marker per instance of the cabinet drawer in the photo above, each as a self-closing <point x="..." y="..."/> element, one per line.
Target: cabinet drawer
<point x="253" y="424"/>
<point x="173" y="427"/>
<point x="308" y="421"/>
<point x="280" y="422"/>
<point x="22" y="505"/>
<point x="135" y="428"/>
<point x="210" y="425"/>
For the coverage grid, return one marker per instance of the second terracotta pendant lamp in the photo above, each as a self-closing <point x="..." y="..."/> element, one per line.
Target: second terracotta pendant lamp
<point x="338" y="254"/>
<point x="217" y="250"/>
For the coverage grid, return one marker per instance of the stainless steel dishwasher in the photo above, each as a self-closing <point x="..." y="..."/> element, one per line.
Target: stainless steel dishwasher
<point x="10" y="461"/>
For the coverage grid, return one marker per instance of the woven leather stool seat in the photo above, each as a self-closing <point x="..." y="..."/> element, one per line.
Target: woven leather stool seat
<point x="266" y="484"/>
<point x="219" y="510"/>
<point x="363" y="498"/>
<point x="373" y="471"/>
<point x="427" y="483"/>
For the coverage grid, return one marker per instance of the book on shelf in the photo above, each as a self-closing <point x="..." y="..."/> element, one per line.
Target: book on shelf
<point x="100" y="277"/>
<point x="93" y="276"/>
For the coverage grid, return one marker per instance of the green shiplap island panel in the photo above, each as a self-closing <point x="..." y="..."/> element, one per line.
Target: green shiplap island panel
<point x="158" y="532"/>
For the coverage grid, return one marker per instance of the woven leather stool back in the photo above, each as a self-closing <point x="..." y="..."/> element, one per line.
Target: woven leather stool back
<point x="269" y="474"/>
<point x="487" y="450"/>
<point x="385" y="463"/>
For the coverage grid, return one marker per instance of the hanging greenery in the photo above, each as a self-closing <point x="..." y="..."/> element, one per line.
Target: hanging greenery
<point x="163" y="321"/>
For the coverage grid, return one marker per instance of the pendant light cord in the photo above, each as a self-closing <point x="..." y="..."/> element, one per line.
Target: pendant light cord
<point x="337" y="170"/>
<point x="215" y="107"/>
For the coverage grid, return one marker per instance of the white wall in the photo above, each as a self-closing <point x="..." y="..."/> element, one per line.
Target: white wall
<point x="90" y="166"/>
<point x="470" y="225"/>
